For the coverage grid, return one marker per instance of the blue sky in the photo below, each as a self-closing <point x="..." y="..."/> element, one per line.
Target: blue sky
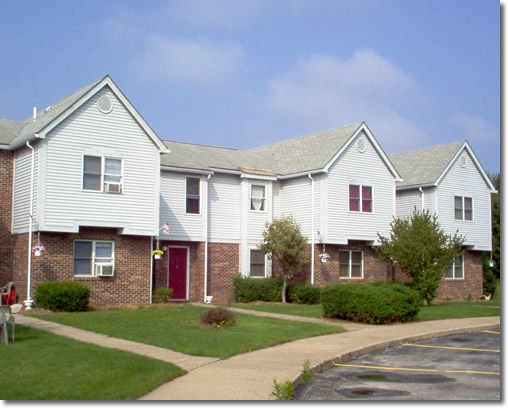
<point x="244" y="73"/>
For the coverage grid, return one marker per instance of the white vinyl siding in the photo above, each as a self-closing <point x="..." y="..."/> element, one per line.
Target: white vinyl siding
<point x="116" y="134"/>
<point x="21" y="190"/>
<point x="465" y="182"/>
<point x="366" y="168"/>
<point x="224" y="208"/>
<point x="173" y="208"/>
<point x="296" y="196"/>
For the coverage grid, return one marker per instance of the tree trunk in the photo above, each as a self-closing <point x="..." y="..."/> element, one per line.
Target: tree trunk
<point x="284" y="289"/>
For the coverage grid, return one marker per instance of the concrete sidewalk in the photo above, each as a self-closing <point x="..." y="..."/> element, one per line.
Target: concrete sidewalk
<point x="250" y="376"/>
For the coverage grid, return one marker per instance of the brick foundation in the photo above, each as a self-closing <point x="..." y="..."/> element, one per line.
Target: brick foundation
<point x="129" y="285"/>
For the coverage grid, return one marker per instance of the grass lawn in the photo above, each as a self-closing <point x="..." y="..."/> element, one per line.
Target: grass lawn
<point x="177" y="327"/>
<point x="43" y="366"/>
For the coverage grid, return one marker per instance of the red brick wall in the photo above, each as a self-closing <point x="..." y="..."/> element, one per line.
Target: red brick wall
<point x="129" y="285"/>
<point x="469" y="288"/>
<point x="223" y="266"/>
<point x="6" y="258"/>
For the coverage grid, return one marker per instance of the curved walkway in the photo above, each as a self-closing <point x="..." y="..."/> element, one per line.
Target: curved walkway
<point x="250" y="376"/>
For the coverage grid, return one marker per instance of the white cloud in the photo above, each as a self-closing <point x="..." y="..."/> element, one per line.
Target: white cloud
<point x="196" y="62"/>
<point x="324" y="91"/>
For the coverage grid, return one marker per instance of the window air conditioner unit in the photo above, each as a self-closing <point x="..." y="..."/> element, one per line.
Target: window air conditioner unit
<point x="113" y="187"/>
<point x="104" y="270"/>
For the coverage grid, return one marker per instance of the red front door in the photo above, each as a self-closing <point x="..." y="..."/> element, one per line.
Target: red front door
<point x="178" y="272"/>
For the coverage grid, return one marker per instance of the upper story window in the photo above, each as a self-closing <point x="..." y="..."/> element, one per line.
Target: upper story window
<point x="455" y="270"/>
<point x="94" y="258"/>
<point x="258" y="198"/>
<point x="103" y="174"/>
<point x="351" y="264"/>
<point x="464" y="208"/>
<point x="360" y="198"/>
<point x="257" y="263"/>
<point x="192" y="195"/>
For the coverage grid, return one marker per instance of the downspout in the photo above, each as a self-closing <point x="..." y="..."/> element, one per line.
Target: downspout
<point x="312" y="234"/>
<point x="206" y="243"/>
<point x="423" y="197"/>
<point x="28" y="302"/>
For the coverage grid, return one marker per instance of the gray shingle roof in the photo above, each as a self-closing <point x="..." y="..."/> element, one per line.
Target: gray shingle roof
<point x="424" y="166"/>
<point x="16" y="133"/>
<point x="293" y="156"/>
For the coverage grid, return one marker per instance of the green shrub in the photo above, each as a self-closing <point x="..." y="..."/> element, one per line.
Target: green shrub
<point x="161" y="294"/>
<point x="379" y="303"/>
<point x="489" y="281"/>
<point x="304" y="294"/>
<point x="218" y="317"/>
<point x="247" y="289"/>
<point x="63" y="296"/>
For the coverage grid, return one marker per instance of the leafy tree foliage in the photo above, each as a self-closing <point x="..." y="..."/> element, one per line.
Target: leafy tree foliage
<point x="421" y="248"/>
<point x="284" y="242"/>
<point x="496" y="229"/>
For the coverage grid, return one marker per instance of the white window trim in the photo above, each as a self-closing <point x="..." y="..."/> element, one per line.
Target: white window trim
<point x="453" y="277"/>
<point x="463" y="199"/>
<point x="360" y="206"/>
<point x="198" y="197"/>
<point x="103" y="183"/>
<point x="349" y="251"/>
<point x="95" y="260"/>
<point x="265" y="265"/>
<point x="262" y="200"/>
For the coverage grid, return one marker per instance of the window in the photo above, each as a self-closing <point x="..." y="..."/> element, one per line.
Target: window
<point x="455" y="270"/>
<point x="102" y="174"/>
<point x="192" y="195"/>
<point x="93" y="258"/>
<point x="464" y="208"/>
<point x="257" y="198"/>
<point x="360" y="198"/>
<point x="257" y="263"/>
<point x="351" y="264"/>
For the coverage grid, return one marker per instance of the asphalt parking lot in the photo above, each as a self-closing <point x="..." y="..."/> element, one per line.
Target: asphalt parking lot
<point x="463" y="366"/>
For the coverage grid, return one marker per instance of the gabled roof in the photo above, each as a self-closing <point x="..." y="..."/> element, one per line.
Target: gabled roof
<point x="289" y="158"/>
<point x="428" y="166"/>
<point x="17" y="133"/>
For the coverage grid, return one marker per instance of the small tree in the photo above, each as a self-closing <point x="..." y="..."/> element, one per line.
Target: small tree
<point x="420" y="247"/>
<point x="284" y="242"/>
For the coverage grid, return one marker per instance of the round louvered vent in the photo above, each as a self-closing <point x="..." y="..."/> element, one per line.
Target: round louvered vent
<point x="463" y="160"/>
<point x="105" y="104"/>
<point x="360" y="145"/>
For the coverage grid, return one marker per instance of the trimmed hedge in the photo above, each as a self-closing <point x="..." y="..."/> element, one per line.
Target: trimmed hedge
<point x="304" y="294"/>
<point x="63" y="296"/>
<point x="247" y="289"/>
<point x="378" y="303"/>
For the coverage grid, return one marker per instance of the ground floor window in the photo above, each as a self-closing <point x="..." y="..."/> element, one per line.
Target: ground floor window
<point x="351" y="264"/>
<point x="257" y="263"/>
<point x="93" y="258"/>
<point x="455" y="270"/>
